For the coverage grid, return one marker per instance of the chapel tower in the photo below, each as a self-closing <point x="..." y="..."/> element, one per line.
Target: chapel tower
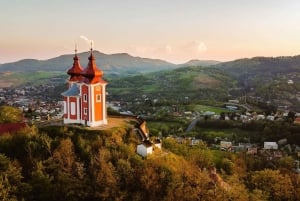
<point x="85" y="100"/>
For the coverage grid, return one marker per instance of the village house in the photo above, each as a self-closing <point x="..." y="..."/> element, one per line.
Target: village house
<point x="145" y="149"/>
<point x="225" y="145"/>
<point x="270" y="145"/>
<point x="251" y="150"/>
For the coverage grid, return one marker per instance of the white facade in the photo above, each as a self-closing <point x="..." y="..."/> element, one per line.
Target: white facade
<point x="144" y="150"/>
<point x="225" y="144"/>
<point x="85" y="100"/>
<point x="270" y="145"/>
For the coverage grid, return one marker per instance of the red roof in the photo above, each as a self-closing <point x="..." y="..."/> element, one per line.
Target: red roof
<point x="91" y="73"/>
<point x="76" y="70"/>
<point x="11" y="127"/>
<point x="297" y="120"/>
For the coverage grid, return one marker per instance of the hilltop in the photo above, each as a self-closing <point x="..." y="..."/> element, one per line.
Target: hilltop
<point x="196" y="62"/>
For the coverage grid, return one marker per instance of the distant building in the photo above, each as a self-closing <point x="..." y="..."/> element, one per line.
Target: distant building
<point x="260" y="117"/>
<point x="270" y="145"/>
<point x="270" y="118"/>
<point x="297" y="120"/>
<point x="251" y="150"/>
<point x="234" y="101"/>
<point x="282" y="141"/>
<point x="157" y="143"/>
<point x="225" y="145"/>
<point x="296" y="168"/>
<point x="85" y="100"/>
<point x="146" y="147"/>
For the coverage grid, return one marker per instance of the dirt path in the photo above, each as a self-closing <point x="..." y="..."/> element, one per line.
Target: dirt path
<point x="112" y="122"/>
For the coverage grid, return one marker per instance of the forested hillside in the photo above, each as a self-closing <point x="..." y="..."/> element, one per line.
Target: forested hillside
<point x="60" y="163"/>
<point x="273" y="79"/>
<point x="76" y="163"/>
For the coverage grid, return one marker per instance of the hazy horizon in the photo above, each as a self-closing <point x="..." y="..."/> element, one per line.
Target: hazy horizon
<point x="176" y="31"/>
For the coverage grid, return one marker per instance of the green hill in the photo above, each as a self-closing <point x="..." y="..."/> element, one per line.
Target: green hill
<point x="192" y="82"/>
<point x="269" y="80"/>
<point x="263" y="69"/>
<point x="275" y="80"/>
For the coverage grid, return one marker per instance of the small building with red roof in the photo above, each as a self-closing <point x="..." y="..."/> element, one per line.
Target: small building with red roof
<point x="11" y="128"/>
<point x="297" y="120"/>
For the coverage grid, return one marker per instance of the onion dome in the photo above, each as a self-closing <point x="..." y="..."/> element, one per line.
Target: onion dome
<point x="76" y="70"/>
<point x="92" y="73"/>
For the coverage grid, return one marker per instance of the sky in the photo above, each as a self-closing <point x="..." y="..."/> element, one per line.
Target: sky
<point x="172" y="30"/>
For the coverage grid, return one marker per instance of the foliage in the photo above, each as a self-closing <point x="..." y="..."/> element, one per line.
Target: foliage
<point x="253" y="131"/>
<point x="74" y="163"/>
<point x="274" y="184"/>
<point x="10" y="114"/>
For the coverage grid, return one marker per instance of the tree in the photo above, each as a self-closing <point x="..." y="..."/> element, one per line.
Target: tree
<point x="42" y="189"/>
<point x="276" y="185"/>
<point x="65" y="155"/>
<point x="11" y="186"/>
<point x="10" y="114"/>
<point x="68" y="173"/>
<point x="103" y="175"/>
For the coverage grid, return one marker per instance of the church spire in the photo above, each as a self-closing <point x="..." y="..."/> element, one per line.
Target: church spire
<point x="76" y="70"/>
<point x="92" y="73"/>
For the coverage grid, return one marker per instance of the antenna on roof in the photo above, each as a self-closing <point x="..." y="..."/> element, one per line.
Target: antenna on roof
<point x="75" y="48"/>
<point x="91" y="46"/>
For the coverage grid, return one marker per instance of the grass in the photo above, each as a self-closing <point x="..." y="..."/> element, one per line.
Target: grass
<point x="204" y="108"/>
<point x="18" y="78"/>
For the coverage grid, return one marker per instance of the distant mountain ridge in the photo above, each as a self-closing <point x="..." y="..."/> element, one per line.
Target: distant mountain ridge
<point x="110" y="63"/>
<point x="113" y="63"/>
<point x="263" y="69"/>
<point x="196" y="62"/>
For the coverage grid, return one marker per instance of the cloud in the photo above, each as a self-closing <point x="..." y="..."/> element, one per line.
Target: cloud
<point x="172" y="52"/>
<point x="196" y="46"/>
<point x="168" y="49"/>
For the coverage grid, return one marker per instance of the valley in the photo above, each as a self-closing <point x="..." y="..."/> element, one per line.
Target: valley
<point x="214" y="121"/>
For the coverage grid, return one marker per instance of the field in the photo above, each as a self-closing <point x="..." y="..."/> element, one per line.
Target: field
<point x="205" y="108"/>
<point x="10" y="79"/>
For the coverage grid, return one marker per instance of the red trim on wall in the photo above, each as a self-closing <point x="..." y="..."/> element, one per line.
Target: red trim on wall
<point x="85" y="90"/>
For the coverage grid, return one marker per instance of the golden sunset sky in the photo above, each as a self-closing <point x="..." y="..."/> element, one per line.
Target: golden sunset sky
<point x="173" y="30"/>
